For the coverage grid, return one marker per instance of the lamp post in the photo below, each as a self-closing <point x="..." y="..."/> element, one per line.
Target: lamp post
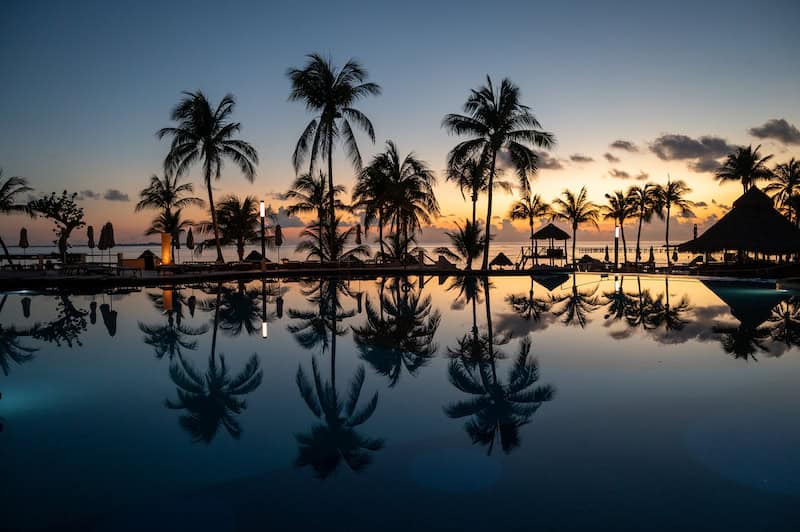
<point x="616" y="247"/>
<point x="262" y="211"/>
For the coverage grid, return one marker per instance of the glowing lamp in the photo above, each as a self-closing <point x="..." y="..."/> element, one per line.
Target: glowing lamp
<point x="262" y="209"/>
<point x="264" y="332"/>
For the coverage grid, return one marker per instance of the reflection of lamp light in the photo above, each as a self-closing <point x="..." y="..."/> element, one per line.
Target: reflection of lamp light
<point x="262" y="211"/>
<point x="264" y="332"/>
<point x="616" y="284"/>
<point x="616" y="246"/>
<point x="616" y="230"/>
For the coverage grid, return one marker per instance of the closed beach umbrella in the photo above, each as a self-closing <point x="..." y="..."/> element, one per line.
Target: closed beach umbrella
<point x="606" y="257"/>
<point x="191" y="303"/>
<point x="176" y="239"/>
<point x="26" y="307"/>
<point x="279" y="306"/>
<point x="23" y="239"/>
<point x="674" y="256"/>
<point x="101" y="242"/>
<point x="358" y="234"/>
<point x="652" y="257"/>
<point x="90" y="236"/>
<point x="93" y="312"/>
<point x="278" y="236"/>
<point x="110" y="243"/>
<point x="109" y="318"/>
<point x="190" y="240"/>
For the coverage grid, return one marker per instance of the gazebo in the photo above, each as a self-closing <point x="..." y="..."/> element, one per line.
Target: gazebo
<point x="552" y="233"/>
<point x="752" y="225"/>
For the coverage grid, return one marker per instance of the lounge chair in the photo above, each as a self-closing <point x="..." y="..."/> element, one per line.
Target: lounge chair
<point x="444" y="264"/>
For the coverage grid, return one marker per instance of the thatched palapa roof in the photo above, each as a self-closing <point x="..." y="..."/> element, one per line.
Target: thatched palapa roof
<point x="501" y="260"/>
<point x="752" y="224"/>
<point x="551" y="231"/>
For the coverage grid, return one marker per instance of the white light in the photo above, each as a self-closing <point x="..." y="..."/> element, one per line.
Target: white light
<point x="262" y="209"/>
<point x="616" y="284"/>
<point x="616" y="232"/>
<point x="264" y="333"/>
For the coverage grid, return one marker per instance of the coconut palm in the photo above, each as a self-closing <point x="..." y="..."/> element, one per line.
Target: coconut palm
<point x="471" y="177"/>
<point x="170" y="222"/>
<point x="205" y="135"/>
<point x="371" y="194"/>
<point x="672" y="196"/>
<point x="497" y="410"/>
<point x="618" y="302"/>
<point x="645" y="201"/>
<point x="331" y="93"/>
<point x="528" y="307"/>
<point x="577" y="210"/>
<point x="466" y="243"/>
<point x="496" y="121"/>
<point x="10" y="189"/>
<point x="745" y="165"/>
<point x="330" y="243"/>
<point x="784" y="322"/>
<point x="644" y="313"/>
<point x="166" y="193"/>
<point x="309" y="195"/>
<point x="529" y="208"/>
<point x="619" y="209"/>
<point x="238" y="223"/>
<point x="12" y="349"/>
<point x="670" y="315"/>
<point x="575" y="306"/>
<point x="742" y="342"/>
<point x="785" y="186"/>
<point x="240" y="310"/>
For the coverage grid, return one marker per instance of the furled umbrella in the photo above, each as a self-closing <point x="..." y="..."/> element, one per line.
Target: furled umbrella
<point x="606" y="257"/>
<point x="90" y="237"/>
<point x="176" y="242"/>
<point x="23" y="239"/>
<point x="675" y="256"/>
<point x="190" y="239"/>
<point x="278" y="240"/>
<point x="109" y="318"/>
<point x="26" y="307"/>
<point x="93" y="312"/>
<point x="110" y="235"/>
<point x="102" y="242"/>
<point x="358" y="234"/>
<point x="652" y="258"/>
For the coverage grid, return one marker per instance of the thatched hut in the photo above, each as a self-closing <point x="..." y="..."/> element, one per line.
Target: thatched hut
<point x="552" y="234"/>
<point x="501" y="260"/>
<point x="752" y="225"/>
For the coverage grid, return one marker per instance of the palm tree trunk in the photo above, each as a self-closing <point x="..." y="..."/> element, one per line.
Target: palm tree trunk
<point x="574" y="236"/>
<point x="331" y="195"/>
<point x="5" y="250"/>
<point x="624" y="244"/>
<point x="216" y="324"/>
<point x="489" y="328"/>
<point x="213" y="215"/>
<point x="474" y="207"/>
<point x="531" y="225"/>
<point x="320" y="217"/>
<point x="485" y="263"/>
<point x="638" y="237"/>
<point x="380" y="233"/>
<point x="669" y="259"/>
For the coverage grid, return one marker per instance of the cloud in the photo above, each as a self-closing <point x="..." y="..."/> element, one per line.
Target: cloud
<point x="278" y="196"/>
<point x="619" y="174"/>
<point x="88" y="194"/>
<point x="700" y="204"/>
<point x="625" y="145"/>
<point x="611" y="158"/>
<point x="704" y="165"/>
<point x="547" y="161"/>
<point x="580" y="158"/>
<point x="680" y="147"/>
<point x="641" y="176"/>
<point x="282" y="217"/>
<point x="112" y="194"/>
<point x="778" y="129"/>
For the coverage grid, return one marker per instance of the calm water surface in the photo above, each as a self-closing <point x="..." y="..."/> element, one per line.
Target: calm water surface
<point x="558" y="403"/>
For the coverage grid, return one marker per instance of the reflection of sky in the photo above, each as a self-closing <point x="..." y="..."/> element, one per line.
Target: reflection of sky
<point x="87" y="86"/>
<point x="95" y="416"/>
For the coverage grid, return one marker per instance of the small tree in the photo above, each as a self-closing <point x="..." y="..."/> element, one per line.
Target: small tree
<point x="65" y="213"/>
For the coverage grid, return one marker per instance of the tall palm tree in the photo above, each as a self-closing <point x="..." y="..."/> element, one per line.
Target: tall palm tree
<point x="331" y="93"/>
<point x="329" y="242"/>
<point x="465" y="241"/>
<point x="528" y="307"/>
<point x="576" y="305"/>
<point x="238" y="222"/>
<point x="785" y="186"/>
<point x="240" y="310"/>
<point x="166" y="193"/>
<point x="471" y="177"/>
<point x="529" y="208"/>
<point x="496" y="120"/>
<point x="672" y="195"/>
<point x="205" y="135"/>
<point x="577" y="210"/>
<point x="745" y="165"/>
<point x="10" y="189"/>
<point x="170" y="222"/>
<point x="409" y="194"/>
<point x="645" y="202"/>
<point x="309" y="195"/>
<point x="618" y="208"/>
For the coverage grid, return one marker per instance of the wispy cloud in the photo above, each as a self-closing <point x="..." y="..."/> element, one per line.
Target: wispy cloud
<point x="113" y="194"/>
<point x="625" y="145"/>
<point x="777" y="129"/>
<point x="610" y="157"/>
<point x="580" y="158"/>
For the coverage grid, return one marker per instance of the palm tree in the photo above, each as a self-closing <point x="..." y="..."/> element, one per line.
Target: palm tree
<point x="577" y="210"/>
<point x="529" y="208"/>
<point x="619" y="209"/>
<point x="170" y="222"/>
<point x="466" y="242"/>
<point x="746" y="166"/>
<point x="576" y="305"/>
<point x="205" y="135"/>
<point x="496" y="120"/>
<point x="471" y="177"/>
<point x="10" y="188"/>
<point x="784" y="322"/>
<point x="172" y="338"/>
<point x="166" y="194"/>
<point x="331" y="93"/>
<point x="371" y="194"/>
<point x="671" y="315"/>
<point x="409" y="193"/>
<point x="329" y="242"/>
<point x="309" y="194"/>
<point x="335" y="439"/>
<point x="238" y="222"/>
<point x="240" y="310"/>
<point x="645" y="201"/>
<point x="498" y="410"/>
<point x="672" y="195"/>
<point x="785" y="186"/>
<point x="528" y="307"/>
<point x="11" y="349"/>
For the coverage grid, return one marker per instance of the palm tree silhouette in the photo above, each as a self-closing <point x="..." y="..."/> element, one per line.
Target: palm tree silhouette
<point x="466" y="242"/>
<point x="331" y="93"/>
<point x="575" y="306"/>
<point x="497" y="410"/>
<point x="399" y="334"/>
<point x="10" y="189"/>
<point x="335" y="439"/>
<point x="577" y="210"/>
<point x="238" y="222"/>
<point x="528" y="307"/>
<point x="329" y="243"/>
<point x="170" y="222"/>
<point x="309" y="195"/>
<point x="643" y="312"/>
<point x="165" y="194"/>
<point x="212" y="399"/>
<point x="671" y="196"/>
<point x="785" y="187"/>
<point x="671" y="315"/>
<point x="645" y="202"/>
<point x="240" y="310"/>
<point x="618" y="208"/>
<point x="745" y="165"/>
<point x="172" y="338"/>
<point x="496" y="120"/>
<point x="472" y="177"/>
<point x="784" y="322"/>
<point x="619" y="303"/>
<point x="205" y="135"/>
<point x="12" y="349"/>
<point x="742" y="342"/>
<point x="529" y="208"/>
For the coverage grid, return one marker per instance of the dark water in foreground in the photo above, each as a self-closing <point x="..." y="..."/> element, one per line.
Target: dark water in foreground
<point x="565" y="404"/>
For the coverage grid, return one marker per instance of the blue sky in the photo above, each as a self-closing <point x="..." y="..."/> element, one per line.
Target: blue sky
<point x="86" y="85"/>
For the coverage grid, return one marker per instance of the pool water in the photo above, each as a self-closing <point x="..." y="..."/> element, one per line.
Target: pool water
<point x="507" y="403"/>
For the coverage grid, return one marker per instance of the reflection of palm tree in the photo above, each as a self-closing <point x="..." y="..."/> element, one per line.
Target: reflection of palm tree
<point x="670" y="316"/>
<point x="212" y="399"/>
<point x="240" y="310"/>
<point x="618" y="303"/>
<point x="575" y="305"/>
<point x="12" y="350"/>
<point x="742" y="342"/>
<point x="171" y="338"/>
<point x="335" y="439"/>
<point x="472" y="347"/>
<point x="784" y="322"/>
<point x="399" y="334"/>
<point x="498" y="409"/>
<point x="528" y="307"/>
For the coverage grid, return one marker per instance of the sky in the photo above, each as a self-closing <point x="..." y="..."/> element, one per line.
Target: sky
<point x="86" y="85"/>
